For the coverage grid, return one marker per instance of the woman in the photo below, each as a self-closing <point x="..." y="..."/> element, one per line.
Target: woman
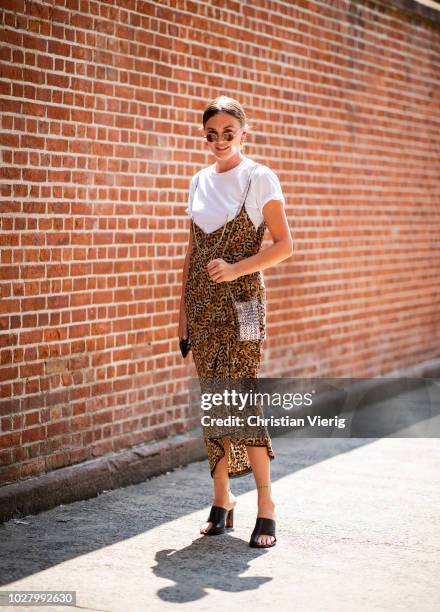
<point x="223" y="266"/>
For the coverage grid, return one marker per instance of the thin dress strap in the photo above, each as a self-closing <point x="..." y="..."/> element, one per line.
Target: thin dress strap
<point x="241" y="204"/>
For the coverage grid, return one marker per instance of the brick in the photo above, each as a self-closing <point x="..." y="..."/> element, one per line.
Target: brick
<point x="96" y="155"/>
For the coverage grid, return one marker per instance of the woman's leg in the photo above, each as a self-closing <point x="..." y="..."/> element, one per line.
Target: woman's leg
<point x="222" y="494"/>
<point x="260" y="462"/>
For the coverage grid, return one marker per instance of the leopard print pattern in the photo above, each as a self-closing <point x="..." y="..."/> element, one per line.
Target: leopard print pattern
<point x="216" y="348"/>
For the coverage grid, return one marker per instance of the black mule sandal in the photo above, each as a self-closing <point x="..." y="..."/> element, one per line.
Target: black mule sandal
<point x="263" y="526"/>
<point x="220" y="519"/>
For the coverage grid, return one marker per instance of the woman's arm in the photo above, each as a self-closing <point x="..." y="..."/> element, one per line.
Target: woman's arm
<point x="282" y="248"/>
<point x="186" y="262"/>
<point x="183" y="330"/>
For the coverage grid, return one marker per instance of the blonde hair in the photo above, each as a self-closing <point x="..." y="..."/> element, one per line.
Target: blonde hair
<point x="225" y="104"/>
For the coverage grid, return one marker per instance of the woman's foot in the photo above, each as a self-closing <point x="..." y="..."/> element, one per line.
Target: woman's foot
<point x="266" y="509"/>
<point x="227" y="501"/>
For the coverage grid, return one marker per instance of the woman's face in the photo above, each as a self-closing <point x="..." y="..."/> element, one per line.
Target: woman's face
<point x="223" y="124"/>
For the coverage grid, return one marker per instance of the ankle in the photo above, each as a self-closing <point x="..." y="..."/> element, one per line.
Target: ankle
<point x="221" y="489"/>
<point x="222" y="497"/>
<point x="265" y="499"/>
<point x="264" y="491"/>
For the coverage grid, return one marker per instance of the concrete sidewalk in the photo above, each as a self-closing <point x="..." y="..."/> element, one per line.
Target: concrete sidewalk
<point x="357" y="528"/>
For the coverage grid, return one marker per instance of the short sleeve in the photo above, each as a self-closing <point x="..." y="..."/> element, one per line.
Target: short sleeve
<point x="268" y="187"/>
<point x="191" y="190"/>
<point x="190" y="197"/>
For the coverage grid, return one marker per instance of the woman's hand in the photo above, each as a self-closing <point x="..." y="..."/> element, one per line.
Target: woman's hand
<point x="220" y="270"/>
<point x="183" y="325"/>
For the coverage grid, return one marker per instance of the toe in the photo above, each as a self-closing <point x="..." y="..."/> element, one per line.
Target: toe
<point x="265" y="540"/>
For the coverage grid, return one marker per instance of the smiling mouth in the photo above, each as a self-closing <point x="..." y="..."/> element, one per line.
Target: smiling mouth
<point x="224" y="148"/>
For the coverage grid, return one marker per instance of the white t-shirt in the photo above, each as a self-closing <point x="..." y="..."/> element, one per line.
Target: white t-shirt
<point x="218" y="195"/>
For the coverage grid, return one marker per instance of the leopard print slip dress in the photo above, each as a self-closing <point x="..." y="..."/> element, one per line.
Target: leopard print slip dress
<point x="217" y="349"/>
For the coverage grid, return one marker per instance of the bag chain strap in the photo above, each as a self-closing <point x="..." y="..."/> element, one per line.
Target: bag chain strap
<point x="224" y="227"/>
<point x="214" y="248"/>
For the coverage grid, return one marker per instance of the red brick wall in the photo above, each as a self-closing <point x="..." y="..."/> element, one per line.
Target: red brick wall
<point x="99" y="115"/>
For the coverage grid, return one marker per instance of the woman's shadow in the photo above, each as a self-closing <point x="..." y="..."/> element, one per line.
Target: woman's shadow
<point x="210" y="562"/>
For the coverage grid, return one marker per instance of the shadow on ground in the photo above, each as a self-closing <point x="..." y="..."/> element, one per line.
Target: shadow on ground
<point x="38" y="542"/>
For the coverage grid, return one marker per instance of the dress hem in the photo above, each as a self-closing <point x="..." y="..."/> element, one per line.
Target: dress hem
<point x="248" y="470"/>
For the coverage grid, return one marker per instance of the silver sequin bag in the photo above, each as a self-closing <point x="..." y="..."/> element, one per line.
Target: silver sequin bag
<point x="248" y="319"/>
<point x="247" y="315"/>
<point x="246" y="311"/>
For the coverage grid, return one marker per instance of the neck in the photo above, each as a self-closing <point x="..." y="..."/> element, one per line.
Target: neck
<point x="228" y="164"/>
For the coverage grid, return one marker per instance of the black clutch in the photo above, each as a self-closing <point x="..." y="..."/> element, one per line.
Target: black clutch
<point x="185" y="346"/>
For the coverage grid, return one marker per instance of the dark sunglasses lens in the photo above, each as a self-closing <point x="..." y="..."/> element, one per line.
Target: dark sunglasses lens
<point x="228" y="136"/>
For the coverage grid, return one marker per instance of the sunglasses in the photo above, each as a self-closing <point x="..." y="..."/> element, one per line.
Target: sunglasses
<point x="228" y="136"/>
